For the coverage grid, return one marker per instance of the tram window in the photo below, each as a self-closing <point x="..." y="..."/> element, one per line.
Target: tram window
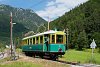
<point x="37" y="40"/>
<point x="47" y="37"/>
<point x="41" y="39"/>
<point x="33" y="40"/>
<point x="59" y="39"/>
<point x="53" y="38"/>
<point x="30" y="41"/>
<point x="25" y="41"/>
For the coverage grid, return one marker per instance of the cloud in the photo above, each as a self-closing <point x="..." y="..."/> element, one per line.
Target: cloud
<point x="56" y="8"/>
<point x="50" y="3"/>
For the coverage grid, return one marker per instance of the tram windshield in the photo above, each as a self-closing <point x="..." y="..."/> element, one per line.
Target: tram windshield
<point x="59" y="39"/>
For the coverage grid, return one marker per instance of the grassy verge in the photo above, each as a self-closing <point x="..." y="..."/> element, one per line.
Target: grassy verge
<point x="81" y="56"/>
<point x="20" y="64"/>
<point x="19" y="50"/>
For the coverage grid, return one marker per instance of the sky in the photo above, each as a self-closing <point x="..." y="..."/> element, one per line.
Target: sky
<point x="46" y="8"/>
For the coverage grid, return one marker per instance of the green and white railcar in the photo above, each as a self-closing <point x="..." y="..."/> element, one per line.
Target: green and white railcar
<point x="50" y="43"/>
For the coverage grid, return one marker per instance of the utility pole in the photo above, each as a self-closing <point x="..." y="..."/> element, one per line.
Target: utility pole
<point x="48" y="22"/>
<point x="11" y="35"/>
<point x="67" y="36"/>
<point x="11" y="41"/>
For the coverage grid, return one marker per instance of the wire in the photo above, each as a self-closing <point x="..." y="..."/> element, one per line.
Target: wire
<point x="37" y="4"/>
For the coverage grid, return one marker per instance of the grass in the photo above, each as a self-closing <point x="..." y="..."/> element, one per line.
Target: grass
<point x="70" y="56"/>
<point x="20" y="64"/>
<point x="31" y="64"/>
<point x="7" y="63"/>
<point x="81" y="56"/>
<point x="19" y="50"/>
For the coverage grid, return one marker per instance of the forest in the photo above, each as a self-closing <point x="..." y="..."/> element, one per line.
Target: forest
<point x="83" y="23"/>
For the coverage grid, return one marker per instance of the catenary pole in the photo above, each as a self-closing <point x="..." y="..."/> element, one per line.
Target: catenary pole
<point x="67" y="36"/>
<point x="48" y="22"/>
<point x="11" y="41"/>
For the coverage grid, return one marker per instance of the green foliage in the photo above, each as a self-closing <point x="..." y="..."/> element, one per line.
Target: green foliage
<point x="83" y="23"/>
<point x="96" y="36"/>
<point x="5" y="29"/>
<point x="20" y="64"/>
<point x="27" y="17"/>
<point x="82" y="41"/>
<point x="1" y="45"/>
<point x="81" y="56"/>
<point x="25" y="20"/>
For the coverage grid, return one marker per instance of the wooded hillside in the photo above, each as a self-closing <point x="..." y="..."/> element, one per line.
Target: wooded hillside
<point x="25" y="19"/>
<point x="83" y="23"/>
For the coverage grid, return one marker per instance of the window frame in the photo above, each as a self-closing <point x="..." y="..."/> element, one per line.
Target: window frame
<point x="41" y="41"/>
<point x="62" y="39"/>
<point x="53" y="38"/>
<point x="30" y="41"/>
<point x="33" y="39"/>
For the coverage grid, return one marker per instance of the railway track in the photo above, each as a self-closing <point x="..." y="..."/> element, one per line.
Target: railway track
<point x="72" y="63"/>
<point x="77" y="64"/>
<point x="61" y="61"/>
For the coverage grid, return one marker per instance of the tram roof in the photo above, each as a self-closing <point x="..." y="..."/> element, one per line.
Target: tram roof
<point x="39" y="34"/>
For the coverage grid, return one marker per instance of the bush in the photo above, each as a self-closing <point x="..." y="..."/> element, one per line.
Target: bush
<point x="98" y="50"/>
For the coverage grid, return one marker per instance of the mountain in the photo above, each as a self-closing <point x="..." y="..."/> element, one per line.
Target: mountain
<point x="83" y="23"/>
<point x="27" y="17"/>
<point x="26" y="20"/>
<point x="5" y="29"/>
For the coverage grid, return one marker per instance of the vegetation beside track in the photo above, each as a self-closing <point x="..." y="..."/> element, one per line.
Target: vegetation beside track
<point x="25" y="61"/>
<point x="20" y="64"/>
<point x="81" y="56"/>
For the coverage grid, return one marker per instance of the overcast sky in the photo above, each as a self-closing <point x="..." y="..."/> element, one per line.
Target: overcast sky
<point x="45" y="8"/>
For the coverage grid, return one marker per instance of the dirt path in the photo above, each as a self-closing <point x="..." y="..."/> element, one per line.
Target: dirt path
<point x="86" y="65"/>
<point x="43" y="62"/>
<point x="46" y="63"/>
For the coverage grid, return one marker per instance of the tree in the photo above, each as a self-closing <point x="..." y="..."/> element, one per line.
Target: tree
<point x="82" y="41"/>
<point x="96" y="37"/>
<point x="84" y="17"/>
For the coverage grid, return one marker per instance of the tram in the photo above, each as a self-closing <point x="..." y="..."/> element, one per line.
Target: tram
<point x="50" y="43"/>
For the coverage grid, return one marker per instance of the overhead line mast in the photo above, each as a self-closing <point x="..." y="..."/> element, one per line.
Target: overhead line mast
<point x="48" y="23"/>
<point x="11" y="25"/>
<point x="11" y="37"/>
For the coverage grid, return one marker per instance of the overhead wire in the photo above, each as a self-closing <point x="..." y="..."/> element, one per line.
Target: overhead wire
<point x="37" y="4"/>
<point x="33" y="6"/>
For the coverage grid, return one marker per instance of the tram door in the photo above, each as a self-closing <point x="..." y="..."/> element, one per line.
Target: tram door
<point x="47" y="42"/>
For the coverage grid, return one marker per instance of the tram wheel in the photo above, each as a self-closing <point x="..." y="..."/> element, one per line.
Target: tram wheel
<point x="54" y="57"/>
<point x="28" y="54"/>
